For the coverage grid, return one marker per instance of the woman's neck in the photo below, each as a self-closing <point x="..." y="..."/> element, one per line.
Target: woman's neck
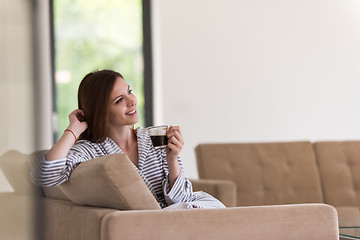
<point x="123" y="137"/>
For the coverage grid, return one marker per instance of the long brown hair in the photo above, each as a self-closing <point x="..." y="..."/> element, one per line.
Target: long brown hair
<point x="93" y="98"/>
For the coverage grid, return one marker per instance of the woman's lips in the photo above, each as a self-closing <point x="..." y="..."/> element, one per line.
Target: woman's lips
<point x="131" y="112"/>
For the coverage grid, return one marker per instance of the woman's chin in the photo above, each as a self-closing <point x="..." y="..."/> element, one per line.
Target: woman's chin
<point x="135" y="120"/>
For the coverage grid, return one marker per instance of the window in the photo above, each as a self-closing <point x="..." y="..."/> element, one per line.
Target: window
<point x="94" y="35"/>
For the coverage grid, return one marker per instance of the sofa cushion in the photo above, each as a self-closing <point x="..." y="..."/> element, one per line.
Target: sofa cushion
<point x="339" y="166"/>
<point x="110" y="181"/>
<point x="16" y="168"/>
<point x="55" y="193"/>
<point x="264" y="173"/>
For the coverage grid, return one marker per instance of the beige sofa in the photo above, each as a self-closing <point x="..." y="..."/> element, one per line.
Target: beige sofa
<point x="106" y="199"/>
<point x="288" y="173"/>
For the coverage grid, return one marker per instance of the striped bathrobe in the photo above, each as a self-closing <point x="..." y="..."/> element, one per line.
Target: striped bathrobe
<point x="152" y="168"/>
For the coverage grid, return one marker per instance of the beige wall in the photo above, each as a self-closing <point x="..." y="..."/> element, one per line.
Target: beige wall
<point x="24" y="124"/>
<point x="245" y="71"/>
<point x="17" y="105"/>
<point x="25" y="107"/>
<point x="16" y="79"/>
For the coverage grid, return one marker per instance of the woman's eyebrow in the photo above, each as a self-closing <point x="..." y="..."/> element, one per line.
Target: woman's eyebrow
<point x="121" y="94"/>
<point x="117" y="98"/>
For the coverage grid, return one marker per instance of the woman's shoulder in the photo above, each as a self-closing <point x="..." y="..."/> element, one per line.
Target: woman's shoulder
<point x="89" y="149"/>
<point x="84" y="143"/>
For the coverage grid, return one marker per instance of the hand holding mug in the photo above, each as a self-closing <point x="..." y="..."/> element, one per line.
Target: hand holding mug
<point x="175" y="141"/>
<point x="165" y="136"/>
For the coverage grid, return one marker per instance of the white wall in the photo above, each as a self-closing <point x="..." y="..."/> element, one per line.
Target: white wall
<point x="259" y="70"/>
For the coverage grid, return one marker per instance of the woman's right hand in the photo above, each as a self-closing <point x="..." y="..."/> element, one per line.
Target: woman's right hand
<point x="77" y="126"/>
<point x="77" y="122"/>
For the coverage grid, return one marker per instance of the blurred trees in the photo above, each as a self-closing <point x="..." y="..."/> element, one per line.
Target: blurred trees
<point x="92" y="35"/>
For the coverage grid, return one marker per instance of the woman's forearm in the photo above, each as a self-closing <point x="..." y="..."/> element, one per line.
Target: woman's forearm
<point x="69" y="137"/>
<point x="62" y="147"/>
<point x="174" y="170"/>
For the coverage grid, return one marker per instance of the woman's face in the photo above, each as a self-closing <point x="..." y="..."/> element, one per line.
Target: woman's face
<point x="122" y="110"/>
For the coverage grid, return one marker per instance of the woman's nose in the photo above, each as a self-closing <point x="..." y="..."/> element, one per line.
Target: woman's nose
<point x="132" y="101"/>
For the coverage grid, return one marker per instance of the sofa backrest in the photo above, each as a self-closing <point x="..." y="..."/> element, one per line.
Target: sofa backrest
<point x="264" y="173"/>
<point x="16" y="168"/>
<point x="339" y="167"/>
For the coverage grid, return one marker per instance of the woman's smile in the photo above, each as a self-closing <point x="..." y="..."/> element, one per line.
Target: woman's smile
<point x="131" y="112"/>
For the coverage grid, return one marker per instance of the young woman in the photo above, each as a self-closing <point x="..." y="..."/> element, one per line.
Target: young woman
<point x="102" y="125"/>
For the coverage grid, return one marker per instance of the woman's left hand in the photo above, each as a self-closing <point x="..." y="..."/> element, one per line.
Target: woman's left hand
<point x="173" y="149"/>
<point x="175" y="142"/>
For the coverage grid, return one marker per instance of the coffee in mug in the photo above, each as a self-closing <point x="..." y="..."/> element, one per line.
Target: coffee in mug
<point x="158" y="136"/>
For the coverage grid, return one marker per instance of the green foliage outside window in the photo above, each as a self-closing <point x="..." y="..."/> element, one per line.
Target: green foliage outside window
<point x="92" y="35"/>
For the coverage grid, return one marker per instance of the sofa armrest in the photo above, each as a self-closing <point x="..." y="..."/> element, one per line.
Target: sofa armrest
<point x="223" y="190"/>
<point x="61" y="219"/>
<point x="281" y="222"/>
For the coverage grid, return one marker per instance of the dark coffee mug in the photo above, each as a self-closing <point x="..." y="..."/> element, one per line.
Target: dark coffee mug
<point x="158" y="135"/>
